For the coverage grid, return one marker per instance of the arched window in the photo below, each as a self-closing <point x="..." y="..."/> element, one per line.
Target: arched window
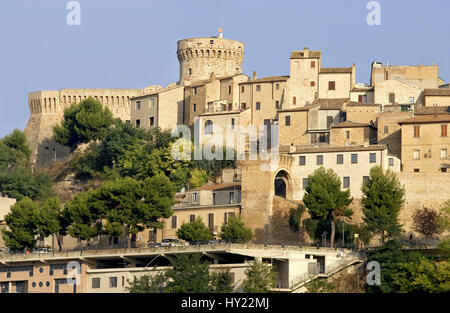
<point x="209" y="127"/>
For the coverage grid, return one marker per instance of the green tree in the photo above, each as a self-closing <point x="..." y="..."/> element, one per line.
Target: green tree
<point x="221" y="281"/>
<point x="84" y="216"/>
<point x="188" y="274"/>
<point x="197" y="178"/>
<point x="22" y="225"/>
<point x="194" y="231"/>
<point x="444" y="224"/>
<point x="82" y="123"/>
<point x="148" y="284"/>
<point x="382" y="200"/>
<point x="235" y="230"/>
<point x="48" y="221"/>
<point x="403" y="271"/>
<point x="324" y="198"/>
<point x="260" y="277"/>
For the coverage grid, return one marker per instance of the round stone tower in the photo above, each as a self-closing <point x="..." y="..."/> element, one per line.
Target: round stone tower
<point x="199" y="57"/>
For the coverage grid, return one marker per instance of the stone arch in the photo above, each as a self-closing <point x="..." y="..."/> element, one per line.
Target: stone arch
<point x="282" y="184"/>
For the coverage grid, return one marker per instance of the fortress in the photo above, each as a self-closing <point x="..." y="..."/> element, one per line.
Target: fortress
<point x="323" y="117"/>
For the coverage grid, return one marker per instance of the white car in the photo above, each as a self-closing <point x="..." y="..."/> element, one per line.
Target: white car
<point x="171" y="242"/>
<point x="42" y="250"/>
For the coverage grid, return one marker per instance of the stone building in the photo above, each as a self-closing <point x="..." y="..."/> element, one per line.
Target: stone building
<point x="437" y="97"/>
<point x="425" y="144"/>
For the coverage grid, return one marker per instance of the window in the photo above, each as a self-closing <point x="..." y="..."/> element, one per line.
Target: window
<point x="138" y="105"/>
<point x="340" y="159"/>
<point x="302" y="160"/>
<point x="443" y="169"/>
<point x="416" y="154"/>
<point x="229" y="90"/>
<point x="194" y="90"/>
<point x="294" y="100"/>
<point x="138" y="123"/>
<point x="365" y="180"/>
<point x="211" y="42"/>
<point x="331" y="85"/>
<point x="230" y="106"/>
<point x="190" y="71"/>
<point x="194" y="107"/>
<point x="346" y="182"/>
<point x="288" y="120"/>
<point x="95" y="283"/>
<point x="411" y="100"/>
<point x="116" y="240"/>
<point x="152" y="121"/>
<point x="372" y="158"/>
<point x="152" y="102"/>
<point x="347" y="134"/>
<point x="174" y="221"/>
<point x="392" y="97"/>
<point x="313" y="64"/>
<point x="242" y="89"/>
<point x="232" y="123"/>
<point x="312" y="83"/>
<point x="305" y="183"/>
<point x="416" y="170"/>
<point x="319" y="159"/>
<point x="194" y="197"/>
<point x="209" y="127"/>
<point x="443" y="154"/>
<point x="232" y="197"/>
<point x="211" y="220"/>
<point x="258" y="105"/>
<point x="113" y="282"/>
<point x="277" y="86"/>
<point x="354" y="158"/>
<point x="277" y="105"/>
<point x="123" y="281"/>
<point x="191" y="218"/>
<point x="214" y="198"/>
<point x="443" y="130"/>
<point x="258" y="87"/>
<point x="391" y="161"/>
<point x="416" y="131"/>
<point x="243" y="106"/>
<point x="386" y="129"/>
<point x="225" y="217"/>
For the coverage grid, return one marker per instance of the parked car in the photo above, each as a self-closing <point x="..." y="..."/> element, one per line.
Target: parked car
<point x="169" y="242"/>
<point x="42" y="250"/>
<point x="152" y="245"/>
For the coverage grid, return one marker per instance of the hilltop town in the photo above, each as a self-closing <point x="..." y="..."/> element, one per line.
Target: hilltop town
<point x="315" y="117"/>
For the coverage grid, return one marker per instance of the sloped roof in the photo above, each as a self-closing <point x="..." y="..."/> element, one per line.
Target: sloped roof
<point x="266" y="80"/>
<point x="349" y="124"/>
<point x="330" y="104"/>
<point x="437" y="118"/>
<point x="336" y="70"/>
<point x="301" y="54"/>
<point x="437" y="92"/>
<point x="324" y="149"/>
<point x="223" y="186"/>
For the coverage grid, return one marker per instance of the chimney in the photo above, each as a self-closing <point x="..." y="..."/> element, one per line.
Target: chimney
<point x="254" y="75"/>
<point x="306" y="52"/>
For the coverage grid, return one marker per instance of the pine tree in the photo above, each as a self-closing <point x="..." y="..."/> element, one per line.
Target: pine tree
<point x="382" y="200"/>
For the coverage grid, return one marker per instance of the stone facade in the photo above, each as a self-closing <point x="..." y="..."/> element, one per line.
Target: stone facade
<point x="200" y="57"/>
<point x="437" y="97"/>
<point x="394" y="92"/>
<point x="426" y="144"/>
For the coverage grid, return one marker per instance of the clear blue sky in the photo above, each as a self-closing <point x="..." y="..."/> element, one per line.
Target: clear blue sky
<point x="132" y="43"/>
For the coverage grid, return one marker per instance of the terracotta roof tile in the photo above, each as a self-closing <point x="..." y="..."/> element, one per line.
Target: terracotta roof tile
<point x="437" y="92"/>
<point x="438" y="118"/>
<point x="326" y="70"/>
